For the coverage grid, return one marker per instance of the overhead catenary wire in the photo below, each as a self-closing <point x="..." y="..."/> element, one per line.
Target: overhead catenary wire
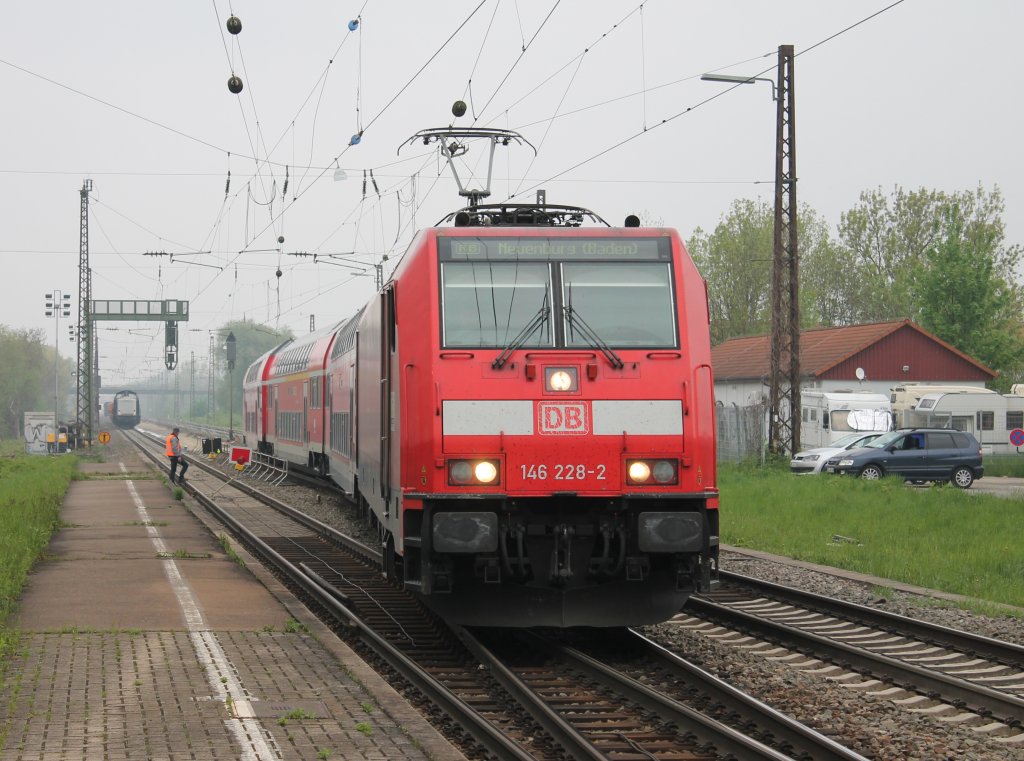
<point x="518" y="59"/>
<point x="547" y="128"/>
<point x="643" y="65"/>
<point x="557" y="115"/>
<point x="383" y="110"/>
<point x="691" y="109"/>
<point x="467" y="93"/>
<point x="569" y="63"/>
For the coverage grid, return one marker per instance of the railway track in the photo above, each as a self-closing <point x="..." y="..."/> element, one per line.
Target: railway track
<point x="923" y="667"/>
<point x="650" y="704"/>
<point x="516" y="697"/>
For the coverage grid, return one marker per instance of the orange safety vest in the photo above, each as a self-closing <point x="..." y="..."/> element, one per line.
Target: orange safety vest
<point x="170" y="449"/>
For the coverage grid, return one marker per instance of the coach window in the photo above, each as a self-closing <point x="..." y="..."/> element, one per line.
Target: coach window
<point x="625" y="304"/>
<point x="490" y="303"/>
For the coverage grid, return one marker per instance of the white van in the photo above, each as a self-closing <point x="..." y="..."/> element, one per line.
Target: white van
<point x="827" y="416"/>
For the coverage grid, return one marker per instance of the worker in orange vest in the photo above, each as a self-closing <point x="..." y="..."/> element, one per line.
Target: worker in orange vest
<point x="175" y="456"/>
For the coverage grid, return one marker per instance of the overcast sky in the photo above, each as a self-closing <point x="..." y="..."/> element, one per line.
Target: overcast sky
<point x="134" y="96"/>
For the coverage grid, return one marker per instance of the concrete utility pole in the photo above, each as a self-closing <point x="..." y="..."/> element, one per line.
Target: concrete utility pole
<point x="784" y="395"/>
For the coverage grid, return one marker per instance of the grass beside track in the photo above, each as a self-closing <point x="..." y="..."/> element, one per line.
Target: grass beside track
<point x="939" y="537"/>
<point x="1004" y="465"/>
<point x="31" y="493"/>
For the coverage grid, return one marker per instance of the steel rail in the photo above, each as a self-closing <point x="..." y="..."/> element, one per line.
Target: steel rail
<point x="563" y="731"/>
<point x="799" y="736"/>
<point x="978" y="698"/>
<point x="320" y="529"/>
<point x="1007" y="653"/>
<point x="725" y="739"/>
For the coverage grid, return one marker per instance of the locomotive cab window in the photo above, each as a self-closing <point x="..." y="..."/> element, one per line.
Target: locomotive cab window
<point x="557" y="292"/>
<point x="626" y="304"/>
<point x="490" y="303"/>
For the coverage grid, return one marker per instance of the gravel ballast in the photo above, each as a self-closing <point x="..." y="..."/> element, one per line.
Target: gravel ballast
<point x="873" y="726"/>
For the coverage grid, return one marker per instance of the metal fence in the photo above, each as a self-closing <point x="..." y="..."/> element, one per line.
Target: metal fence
<point x="742" y="432"/>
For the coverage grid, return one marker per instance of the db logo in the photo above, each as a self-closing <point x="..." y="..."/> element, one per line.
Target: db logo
<point x="565" y="418"/>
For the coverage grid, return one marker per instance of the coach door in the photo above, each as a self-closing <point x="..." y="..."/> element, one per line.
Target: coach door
<point x="387" y="424"/>
<point x="305" y="412"/>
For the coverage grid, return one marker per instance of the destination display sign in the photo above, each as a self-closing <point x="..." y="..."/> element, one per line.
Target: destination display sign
<point x="547" y="249"/>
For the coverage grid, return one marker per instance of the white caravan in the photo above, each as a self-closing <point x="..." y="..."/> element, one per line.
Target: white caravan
<point x="982" y="412"/>
<point x="905" y="396"/>
<point x="826" y="416"/>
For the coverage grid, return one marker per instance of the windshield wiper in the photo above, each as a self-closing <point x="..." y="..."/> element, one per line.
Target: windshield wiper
<point x="577" y="322"/>
<point x="531" y="327"/>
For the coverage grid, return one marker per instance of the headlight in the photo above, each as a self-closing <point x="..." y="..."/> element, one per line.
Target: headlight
<point x="662" y="471"/>
<point x="460" y="472"/>
<point x="486" y="472"/>
<point x="561" y="379"/>
<point x="473" y="472"/>
<point x="810" y="457"/>
<point x="639" y="471"/>
<point x="845" y="463"/>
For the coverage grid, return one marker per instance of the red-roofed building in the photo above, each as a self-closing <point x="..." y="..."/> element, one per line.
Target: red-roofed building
<point x="889" y="353"/>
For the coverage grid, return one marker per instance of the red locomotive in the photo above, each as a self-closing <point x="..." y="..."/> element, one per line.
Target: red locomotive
<point x="526" y="413"/>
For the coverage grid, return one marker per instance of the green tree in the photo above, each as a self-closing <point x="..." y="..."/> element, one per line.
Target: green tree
<point x="26" y="367"/>
<point x="252" y="340"/>
<point x="886" y="239"/>
<point x="966" y="293"/>
<point x="735" y="260"/>
<point x="826" y="277"/>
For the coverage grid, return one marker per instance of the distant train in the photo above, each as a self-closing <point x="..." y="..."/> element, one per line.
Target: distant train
<point x="525" y="412"/>
<point x="125" y="410"/>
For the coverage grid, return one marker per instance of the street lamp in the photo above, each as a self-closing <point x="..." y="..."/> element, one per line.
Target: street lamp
<point x="738" y="80"/>
<point x="230" y="347"/>
<point x="58" y="305"/>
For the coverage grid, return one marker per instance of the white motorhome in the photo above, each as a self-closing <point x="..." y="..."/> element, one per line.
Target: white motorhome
<point x="826" y="416"/>
<point x="905" y="396"/>
<point x="982" y="412"/>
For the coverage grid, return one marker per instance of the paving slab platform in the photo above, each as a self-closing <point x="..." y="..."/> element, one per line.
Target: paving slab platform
<point x="142" y="639"/>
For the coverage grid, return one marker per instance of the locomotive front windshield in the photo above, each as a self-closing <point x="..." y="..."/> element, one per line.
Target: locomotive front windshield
<point x="557" y="292"/>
